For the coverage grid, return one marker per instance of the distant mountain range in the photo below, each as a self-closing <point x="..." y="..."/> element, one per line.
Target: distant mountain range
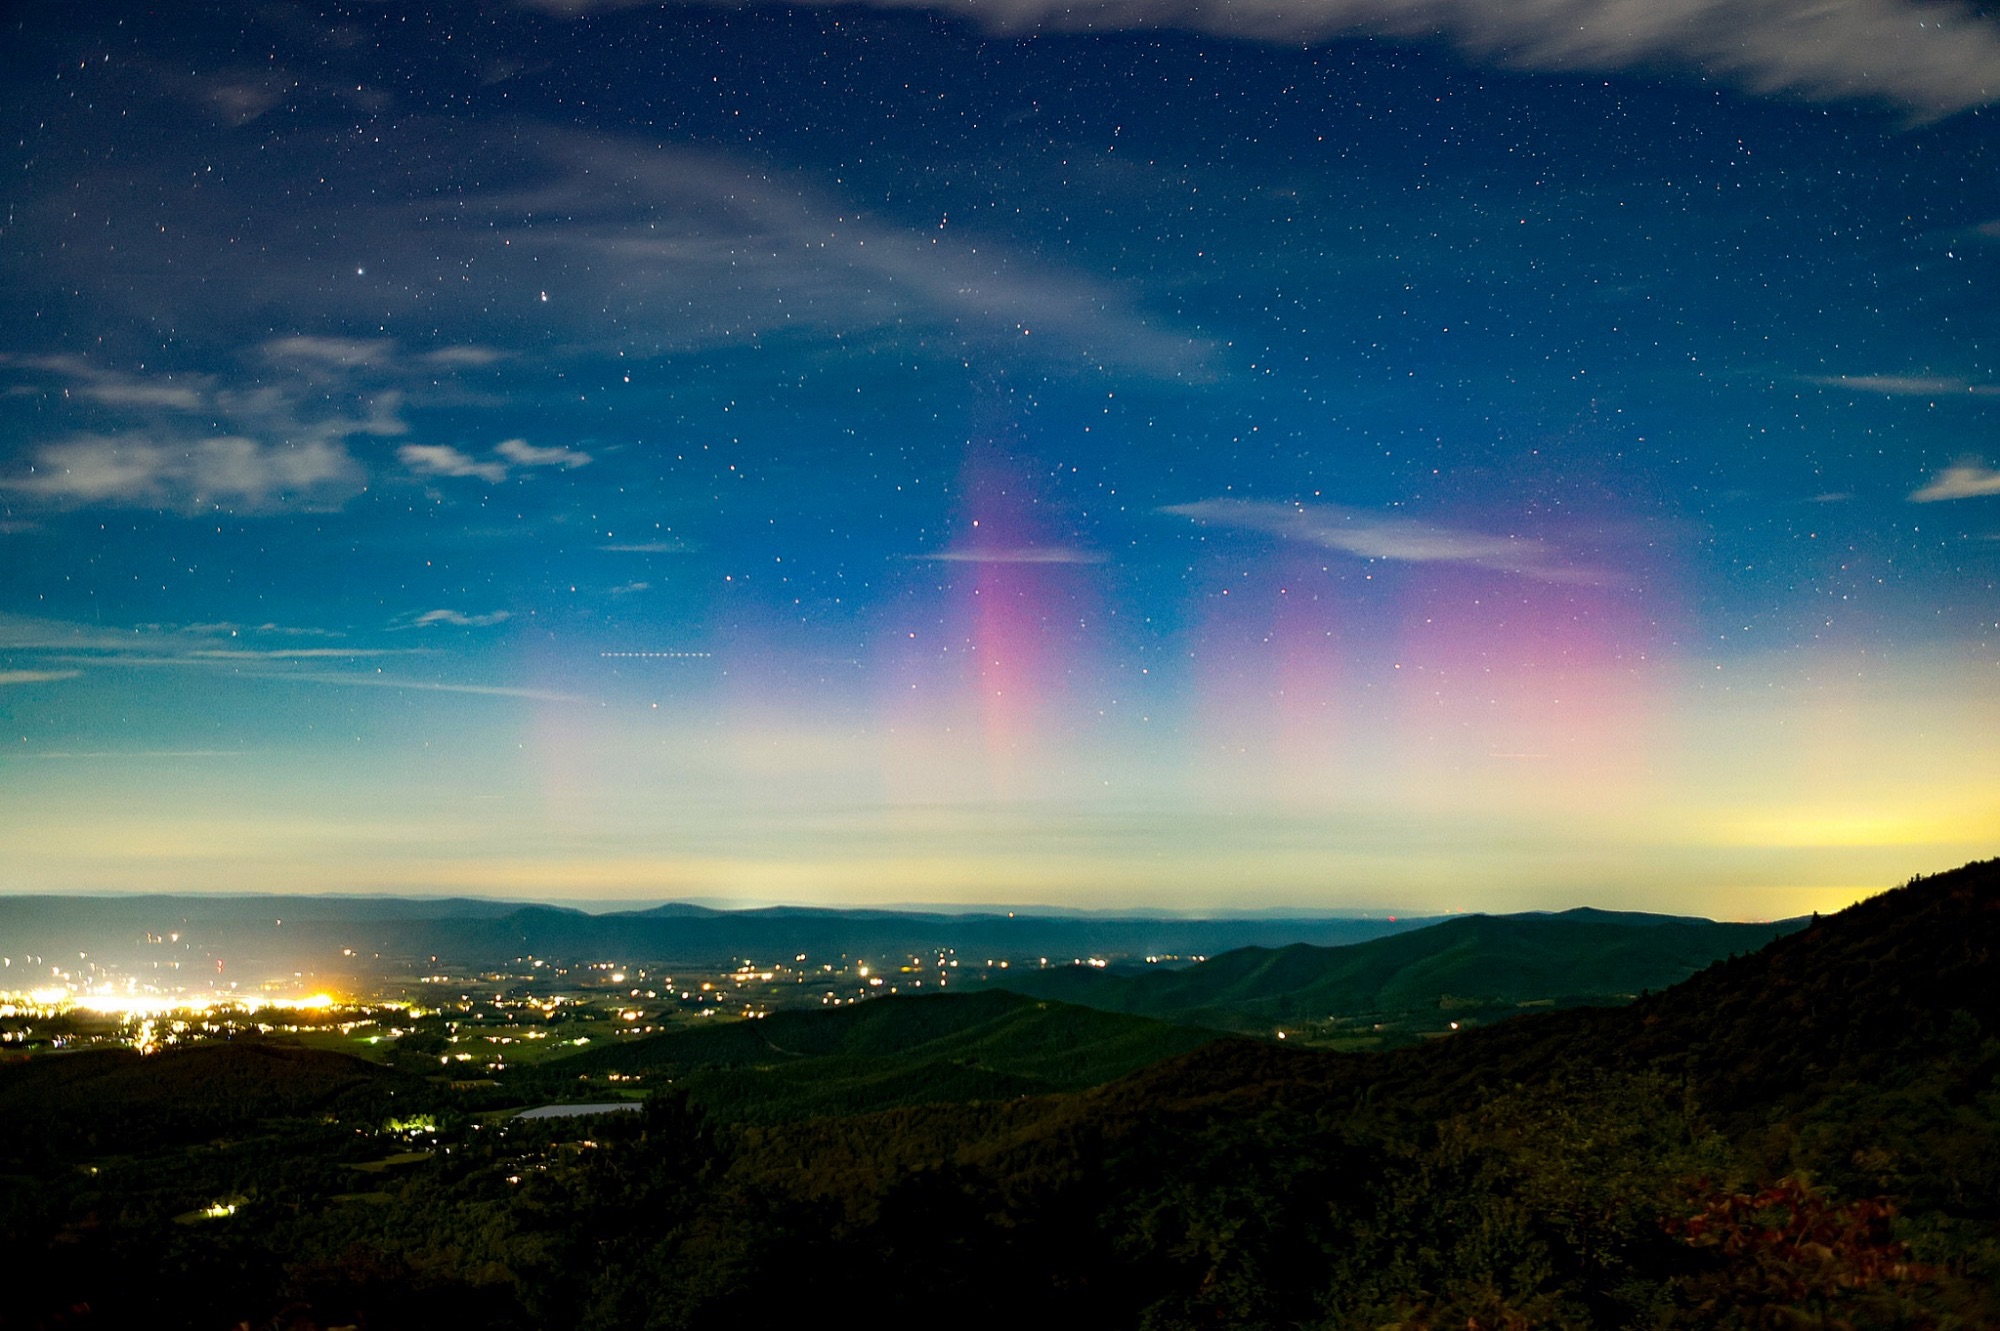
<point x="1806" y="1134"/>
<point x="276" y="935"/>
<point x="1477" y="961"/>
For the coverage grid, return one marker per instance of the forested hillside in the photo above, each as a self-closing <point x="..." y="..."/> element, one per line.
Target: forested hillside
<point x="1808" y="1136"/>
<point x="1478" y="962"/>
<point x="888" y="1052"/>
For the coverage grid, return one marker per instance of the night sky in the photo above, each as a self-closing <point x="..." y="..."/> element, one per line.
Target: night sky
<point x="1339" y="455"/>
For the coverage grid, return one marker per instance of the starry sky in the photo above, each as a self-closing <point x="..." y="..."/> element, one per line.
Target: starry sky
<point x="1306" y="454"/>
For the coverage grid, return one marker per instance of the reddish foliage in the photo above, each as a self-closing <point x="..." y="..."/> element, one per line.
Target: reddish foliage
<point x="1793" y="1256"/>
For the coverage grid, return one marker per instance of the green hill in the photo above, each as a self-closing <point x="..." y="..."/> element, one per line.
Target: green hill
<point x="1806" y="1136"/>
<point x="1828" y="1108"/>
<point x="890" y="1051"/>
<point x="1491" y="962"/>
<point x="117" y="1100"/>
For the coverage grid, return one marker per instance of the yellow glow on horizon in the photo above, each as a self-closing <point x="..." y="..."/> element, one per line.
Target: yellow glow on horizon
<point x="1850" y="827"/>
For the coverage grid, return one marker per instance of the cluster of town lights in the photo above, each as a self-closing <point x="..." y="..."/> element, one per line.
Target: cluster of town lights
<point x="109" y="1004"/>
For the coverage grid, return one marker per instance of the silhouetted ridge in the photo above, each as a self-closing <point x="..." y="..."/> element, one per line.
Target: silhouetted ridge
<point x="1494" y="959"/>
<point x="1882" y="985"/>
<point x="900" y="1050"/>
<point x="121" y="1100"/>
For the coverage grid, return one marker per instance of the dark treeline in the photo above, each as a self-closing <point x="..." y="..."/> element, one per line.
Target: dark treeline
<point x="1808" y="1136"/>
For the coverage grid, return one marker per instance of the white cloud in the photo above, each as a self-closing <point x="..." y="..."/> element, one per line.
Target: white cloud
<point x="1025" y="554"/>
<point x="455" y="618"/>
<point x="373" y="681"/>
<point x="240" y="101"/>
<point x="277" y="413"/>
<point x="658" y="247"/>
<point x="134" y="393"/>
<point x="1932" y="59"/>
<point x="36" y="676"/>
<point x="650" y="548"/>
<point x="524" y="454"/>
<point x="230" y="472"/>
<point x="145" y="645"/>
<point x="292" y="653"/>
<point x="444" y="460"/>
<point x="344" y="353"/>
<point x="1376" y="536"/>
<point x="130" y="754"/>
<point x="739" y="251"/>
<point x="279" y="446"/>
<point x="467" y="355"/>
<point x="1967" y="480"/>
<point x="114" y="388"/>
<point x="1906" y="385"/>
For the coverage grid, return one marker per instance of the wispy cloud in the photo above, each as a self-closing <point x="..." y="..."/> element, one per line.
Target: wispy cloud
<point x="293" y="653"/>
<point x="741" y="250"/>
<point x="36" y="676"/>
<point x="510" y="454"/>
<point x="1932" y="59"/>
<point x="444" y="460"/>
<point x="230" y="472"/>
<point x="87" y="754"/>
<point x="524" y="454"/>
<point x="1026" y="554"/>
<point x="422" y="685"/>
<point x="172" y="641"/>
<point x="649" y="548"/>
<point x="1381" y="536"/>
<point x="666" y="248"/>
<point x="473" y="356"/>
<point x="1907" y="385"/>
<point x="459" y="619"/>
<point x="1967" y="480"/>
<point x="115" y="388"/>
<point x="280" y="446"/>
<point x="337" y="352"/>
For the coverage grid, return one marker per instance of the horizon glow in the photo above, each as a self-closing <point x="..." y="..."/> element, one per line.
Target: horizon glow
<point x="846" y="455"/>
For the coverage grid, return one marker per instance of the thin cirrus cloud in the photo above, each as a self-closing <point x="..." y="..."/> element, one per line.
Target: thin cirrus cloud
<point x="468" y="356"/>
<point x="1405" y="540"/>
<point x="458" y="619"/>
<point x="356" y="353"/>
<point x="113" y="388"/>
<point x="187" y="443"/>
<point x="36" y="676"/>
<point x="1907" y="385"/>
<point x="524" y="454"/>
<point x="372" y="681"/>
<point x="444" y="460"/>
<point x="649" y="548"/>
<point x="672" y="248"/>
<point x="61" y="648"/>
<point x="743" y="248"/>
<point x="232" y="472"/>
<point x="1966" y="480"/>
<point x="340" y="353"/>
<point x="1931" y="59"/>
